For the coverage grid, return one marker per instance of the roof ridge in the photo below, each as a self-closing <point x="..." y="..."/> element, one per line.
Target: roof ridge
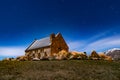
<point x="43" y="38"/>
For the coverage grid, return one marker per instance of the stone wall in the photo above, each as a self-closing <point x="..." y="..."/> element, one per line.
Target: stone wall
<point x="58" y="44"/>
<point x="39" y="53"/>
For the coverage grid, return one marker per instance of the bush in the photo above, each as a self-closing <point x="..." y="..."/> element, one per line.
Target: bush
<point x="108" y="58"/>
<point x="102" y="56"/>
<point x="62" y="55"/>
<point x="94" y="56"/>
<point x="22" y="58"/>
<point x="105" y="57"/>
<point x="78" y="55"/>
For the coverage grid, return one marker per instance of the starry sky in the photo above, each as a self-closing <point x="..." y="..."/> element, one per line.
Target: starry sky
<point x="86" y="25"/>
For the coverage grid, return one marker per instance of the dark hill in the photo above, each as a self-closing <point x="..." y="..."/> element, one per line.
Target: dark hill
<point x="114" y="53"/>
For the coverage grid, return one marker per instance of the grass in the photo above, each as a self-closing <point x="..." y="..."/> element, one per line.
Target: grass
<point x="60" y="70"/>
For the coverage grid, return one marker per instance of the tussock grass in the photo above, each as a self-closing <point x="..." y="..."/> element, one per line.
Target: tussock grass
<point x="60" y="70"/>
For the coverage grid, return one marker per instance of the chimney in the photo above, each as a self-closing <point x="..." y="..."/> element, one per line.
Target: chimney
<point x="52" y="36"/>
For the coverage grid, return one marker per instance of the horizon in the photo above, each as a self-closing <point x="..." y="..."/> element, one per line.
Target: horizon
<point x="85" y="25"/>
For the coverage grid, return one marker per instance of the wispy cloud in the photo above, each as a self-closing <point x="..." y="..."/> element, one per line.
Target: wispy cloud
<point x="11" y="51"/>
<point x="100" y="35"/>
<point x="101" y="44"/>
<point x="75" y="45"/>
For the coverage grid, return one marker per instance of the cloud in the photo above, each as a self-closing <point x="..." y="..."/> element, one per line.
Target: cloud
<point x="11" y="51"/>
<point x="102" y="44"/>
<point x="75" y="45"/>
<point x="100" y="35"/>
<point x="80" y="45"/>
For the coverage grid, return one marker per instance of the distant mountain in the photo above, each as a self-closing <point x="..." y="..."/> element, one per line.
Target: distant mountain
<point x="114" y="53"/>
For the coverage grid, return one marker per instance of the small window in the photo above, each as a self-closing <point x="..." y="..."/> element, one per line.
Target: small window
<point x="33" y="55"/>
<point x="59" y="48"/>
<point x="39" y="55"/>
<point x="42" y="50"/>
<point x="45" y="53"/>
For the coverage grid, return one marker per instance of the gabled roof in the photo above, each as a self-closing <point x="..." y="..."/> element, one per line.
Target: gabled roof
<point x="44" y="42"/>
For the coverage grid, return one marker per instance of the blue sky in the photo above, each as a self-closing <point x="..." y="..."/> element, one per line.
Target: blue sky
<point x="86" y="25"/>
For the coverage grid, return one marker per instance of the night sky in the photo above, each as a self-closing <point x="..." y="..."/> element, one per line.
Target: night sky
<point x="86" y="25"/>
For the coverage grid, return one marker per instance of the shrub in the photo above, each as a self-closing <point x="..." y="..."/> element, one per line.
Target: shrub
<point x="102" y="56"/>
<point x="62" y="55"/>
<point x="105" y="57"/>
<point x="22" y="58"/>
<point x="78" y="55"/>
<point x="94" y="55"/>
<point x="108" y="58"/>
<point x="9" y="59"/>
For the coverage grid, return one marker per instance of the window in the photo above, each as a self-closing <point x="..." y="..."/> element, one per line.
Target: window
<point x="33" y="55"/>
<point x="38" y="51"/>
<point x="59" y="48"/>
<point x="41" y="50"/>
